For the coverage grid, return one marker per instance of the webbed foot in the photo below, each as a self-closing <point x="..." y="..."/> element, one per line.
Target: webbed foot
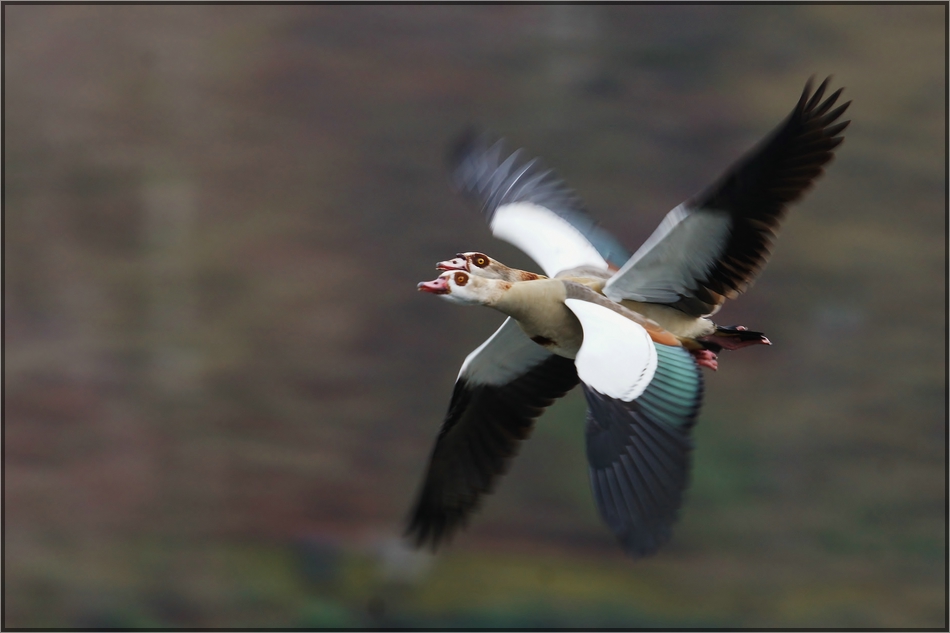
<point x="706" y="358"/>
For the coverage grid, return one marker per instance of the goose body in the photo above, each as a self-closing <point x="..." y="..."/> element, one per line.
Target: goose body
<point x="632" y="328"/>
<point x="539" y="309"/>
<point x="671" y="319"/>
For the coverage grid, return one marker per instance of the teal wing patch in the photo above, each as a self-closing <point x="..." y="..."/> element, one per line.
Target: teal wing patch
<point x="639" y="452"/>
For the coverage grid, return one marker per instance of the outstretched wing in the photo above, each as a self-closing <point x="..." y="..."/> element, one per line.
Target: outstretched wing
<point x="643" y="398"/>
<point x="532" y="208"/>
<point x="503" y="386"/>
<point x="713" y="246"/>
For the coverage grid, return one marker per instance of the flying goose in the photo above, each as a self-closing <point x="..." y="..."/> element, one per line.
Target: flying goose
<point x="706" y="250"/>
<point x="642" y="387"/>
<point x="704" y="348"/>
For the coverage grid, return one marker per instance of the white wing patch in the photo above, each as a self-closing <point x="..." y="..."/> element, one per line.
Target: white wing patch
<point x="546" y="237"/>
<point x="506" y="355"/>
<point x="617" y="357"/>
<point x="681" y="250"/>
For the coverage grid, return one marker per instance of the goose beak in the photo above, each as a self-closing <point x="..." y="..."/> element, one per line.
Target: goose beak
<point x="459" y="263"/>
<point x="438" y="286"/>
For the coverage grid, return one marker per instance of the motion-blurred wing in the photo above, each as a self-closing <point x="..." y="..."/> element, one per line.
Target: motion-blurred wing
<point x="503" y="386"/>
<point x="713" y="246"/>
<point x="532" y="208"/>
<point x="643" y="399"/>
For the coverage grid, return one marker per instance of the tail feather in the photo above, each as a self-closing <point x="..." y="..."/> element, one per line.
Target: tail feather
<point x="732" y="337"/>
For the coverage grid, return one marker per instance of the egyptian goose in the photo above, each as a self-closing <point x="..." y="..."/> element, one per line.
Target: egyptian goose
<point x="705" y="250"/>
<point x="643" y="393"/>
<point x="704" y="347"/>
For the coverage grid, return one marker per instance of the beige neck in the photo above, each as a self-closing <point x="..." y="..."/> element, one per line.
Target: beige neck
<point x="524" y="299"/>
<point x="539" y="308"/>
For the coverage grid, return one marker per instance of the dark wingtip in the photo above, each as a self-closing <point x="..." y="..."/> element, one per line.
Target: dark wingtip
<point x="429" y="530"/>
<point x="463" y="145"/>
<point x="418" y="536"/>
<point x="835" y="130"/>
<point x="819" y="92"/>
<point x="806" y="93"/>
<point x="471" y="158"/>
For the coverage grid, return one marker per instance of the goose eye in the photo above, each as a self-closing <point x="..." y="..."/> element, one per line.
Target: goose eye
<point x="461" y="279"/>
<point x="481" y="261"/>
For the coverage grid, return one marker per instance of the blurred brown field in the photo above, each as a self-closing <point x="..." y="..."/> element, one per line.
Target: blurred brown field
<point x="221" y="386"/>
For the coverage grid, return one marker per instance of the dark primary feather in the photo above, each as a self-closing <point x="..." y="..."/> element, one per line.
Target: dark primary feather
<point x="639" y="452"/>
<point x="756" y="190"/>
<point x="486" y="172"/>
<point x="478" y="438"/>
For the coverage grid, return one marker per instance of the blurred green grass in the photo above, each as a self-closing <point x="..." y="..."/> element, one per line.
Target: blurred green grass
<point x="261" y="586"/>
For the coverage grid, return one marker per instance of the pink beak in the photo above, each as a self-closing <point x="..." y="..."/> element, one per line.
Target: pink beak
<point x="438" y="286"/>
<point x="459" y="263"/>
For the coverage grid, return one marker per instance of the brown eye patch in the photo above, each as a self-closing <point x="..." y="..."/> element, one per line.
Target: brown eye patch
<point x="461" y="279"/>
<point x="480" y="260"/>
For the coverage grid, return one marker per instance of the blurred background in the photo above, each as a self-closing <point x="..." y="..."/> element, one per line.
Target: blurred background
<point x="221" y="386"/>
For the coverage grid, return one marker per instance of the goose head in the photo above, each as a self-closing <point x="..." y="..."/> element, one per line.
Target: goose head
<point x="481" y="265"/>
<point x="459" y="286"/>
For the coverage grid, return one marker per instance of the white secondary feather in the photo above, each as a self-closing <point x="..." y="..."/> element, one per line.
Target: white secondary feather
<point x="682" y="249"/>
<point x="550" y="240"/>
<point x="506" y="355"/>
<point x="617" y="357"/>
